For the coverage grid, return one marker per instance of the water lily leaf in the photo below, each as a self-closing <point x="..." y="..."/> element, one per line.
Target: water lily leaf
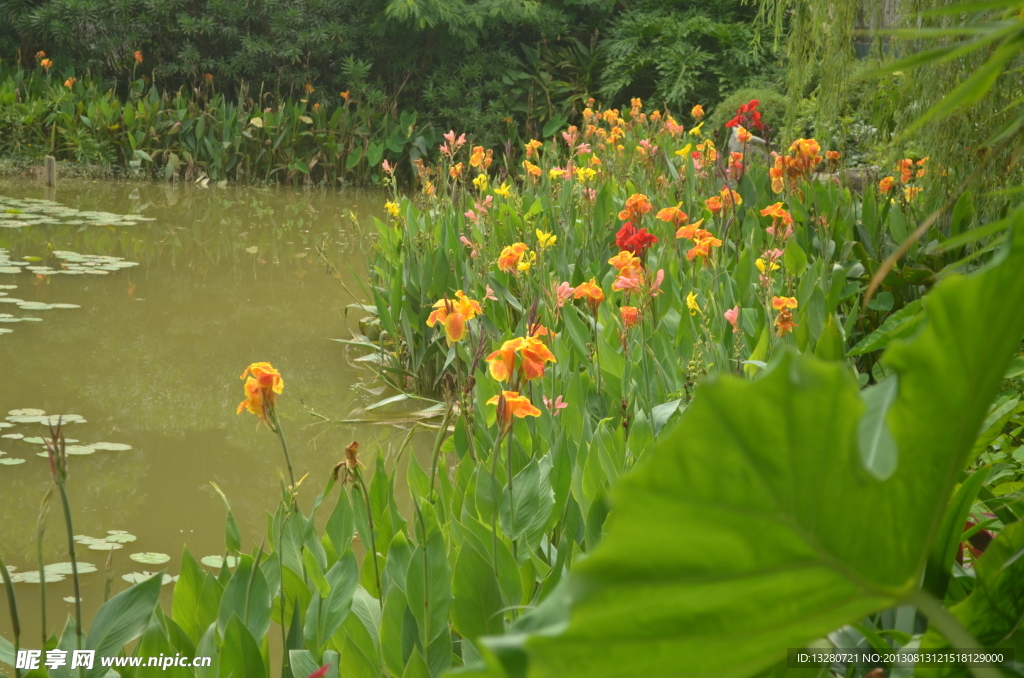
<point x="34" y="306"/>
<point x="216" y="562"/>
<point x="118" y="537"/>
<point x="63" y="306"/>
<point x="150" y="558"/>
<point x="11" y="461"/>
<point x="65" y="568"/>
<point x="70" y="599"/>
<point x="35" y="440"/>
<point x="79" y="449"/>
<point x="105" y="546"/>
<point x="13" y="436"/>
<point x="26" y="412"/>
<point x="139" y="577"/>
<point x="86" y="540"/>
<point x="32" y="577"/>
<point x="110" y="447"/>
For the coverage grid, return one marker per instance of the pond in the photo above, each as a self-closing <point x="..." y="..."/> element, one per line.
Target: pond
<point x="151" y="299"/>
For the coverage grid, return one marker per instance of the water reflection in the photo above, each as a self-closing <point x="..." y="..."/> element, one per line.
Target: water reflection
<point x="151" y="359"/>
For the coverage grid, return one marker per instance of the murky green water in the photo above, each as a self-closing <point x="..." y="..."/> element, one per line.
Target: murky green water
<point x="152" y="357"/>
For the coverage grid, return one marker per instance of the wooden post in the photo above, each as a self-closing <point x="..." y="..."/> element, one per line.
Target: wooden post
<point x="51" y="171"/>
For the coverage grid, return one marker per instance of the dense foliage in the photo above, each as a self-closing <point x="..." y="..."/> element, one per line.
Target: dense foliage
<point x="494" y="66"/>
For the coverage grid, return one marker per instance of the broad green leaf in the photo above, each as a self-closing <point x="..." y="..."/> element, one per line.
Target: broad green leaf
<point x="766" y="526"/>
<point x="477" y="605"/>
<point x="196" y="598"/>
<point x="830" y="341"/>
<point x="951" y="531"/>
<point x="994" y="610"/>
<point x="246" y="596"/>
<point x="878" y="450"/>
<point x="526" y="515"/>
<point x="900" y="324"/>
<point x="795" y="258"/>
<point x="155" y="643"/>
<point x="239" y="653"/>
<point x="428" y="588"/>
<point x="122" y="619"/>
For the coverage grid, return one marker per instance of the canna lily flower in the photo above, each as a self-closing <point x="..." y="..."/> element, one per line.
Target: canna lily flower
<point x="780" y="303"/>
<point x="456" y="171"/>
<point x="777" y="213"/>
<point x="885" y="185"/>
<point x="309" y="88"/>
<point x="535" y="354"/>
<point x="531" y="147"/>
<point x="634" y="240"/>
<point x="784" y="322"/>
<point x="47" y="64"/>
<point x="208" y="78"/>
<point x="659" y="277"/>
<point x="673" y="215"/>
<point x="387" y="167"/>
<point x="764" y="268"/>
<point x="691" y="303"/>
<point x="733" y="316"/>
<point x="473" y="253"/>
<point x="70" y="82"/>
<point x="590" y="291"/>
<point x="832" y="155"/>
<point x="40" y="55"/>
<point x="714" y="203"/>
<point x="630" y="280"/>
<point x="637" y="205"/>
<point x="702" y="247"/>
<point x="730" y="198"/>
<point x="693" y="230"/>
<point x="630" y="316"/>
<point x="626" y="261"/>
<point x="545" y="240"/>
<point x="697" y="111"/>
<point x="262" y="386"/>
<point x="454" y="314"/>
<point x="910" y="192"/>
<point x="585" y="174"/>
<point x="138" y="57"/>
<point x="476" y="157"/>
<point x="742" y="135"/>
<point x="503" y="190"/>
<point x="502" y="363"/>
<point x="555" y="406"/>
<point x="563" y="293"/>
<point x="480" y="182"/>
<point x="392" y="208"/>
<point x="531" y="169"/>
<point x="511" y="404"/>
<point x="489" y="294"/>
<point x="683" y="151"/>
<point x="512" y="256"/>
<point x="696" y="130"/>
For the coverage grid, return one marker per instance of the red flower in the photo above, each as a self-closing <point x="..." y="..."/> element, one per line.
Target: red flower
<point x="747" y="116"/>
<point x="634" y="240"/>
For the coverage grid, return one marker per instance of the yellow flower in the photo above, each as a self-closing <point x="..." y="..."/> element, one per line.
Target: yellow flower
<point x="527" y="261"/>
<point x="585" y="174"/>
<point x="691" y="303"/>
<point x="480" y="182"/>
<point x="503" y="191"/>
<point x="696" y="130"/>
<point x="392" y="208"/>
<point x="685" y="150"/>
<point x="545" y="240"/>
<point x="555" y="172"/>
<point x="761" y="266"/>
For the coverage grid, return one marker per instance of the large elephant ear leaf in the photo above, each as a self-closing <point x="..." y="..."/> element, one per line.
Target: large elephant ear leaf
<point x="995" y="609"/>
<point x="754" y="526"/>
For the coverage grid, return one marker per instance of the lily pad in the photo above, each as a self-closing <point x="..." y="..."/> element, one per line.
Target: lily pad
<point x="11" y="461"/>
<point x="13" y="436"/>
<point x="85" y="540"/>
<point x="32" y="577"/>
<point x="217" y="562"/>
<point x="35" y="440"/>
<point x="65" y="568"/>
<point x="139" y="577"/>
<point x="70" y="599"/>
<point x="62" y="306"/>
<point x="27" y="412"/>
<point x="105" y="546"/>
<point x="79" y="449"/>
<point x="150" y="558"/>
<point x="110" y="447"/>
<point x="121" y="538"/>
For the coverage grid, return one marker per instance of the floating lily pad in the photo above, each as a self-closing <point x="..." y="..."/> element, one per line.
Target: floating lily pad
<point x="120" y="538"/>
<point x="65" y="568"/>
<point x="105" y="546"/>
<point x="35" y="440"/>
<point x="217" y="562"/>
<point x="34" y="306"/>
<point x="4" y="330"/>
<point x="32" y="577"/>
<point x="27" y="412"/>
<point x="139" y="577"/>
<point x="79" y="449"/>
<point x="13" y="436"/>
<point x="150" y="558"/>
<point x="70" y="599"/>
<point x="11" y="461"/>
<point x="62" y="306"/>
<point x="4" y="424"/>
<point x="110" y="447"/>
<point x="85" y="540"/>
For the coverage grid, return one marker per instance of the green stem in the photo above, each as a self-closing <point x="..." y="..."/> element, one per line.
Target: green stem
<point x="287" y="459"/>
<point x="12" y="606"/>
<point x="74" y="561"/>
<point x="449" y="409"/>
<point x="511" y="497"/>
<point x="373" y="537"/>
<point x="951" y="628"/>
<point x="44" y="508"/>
<point x="494" y="512"/>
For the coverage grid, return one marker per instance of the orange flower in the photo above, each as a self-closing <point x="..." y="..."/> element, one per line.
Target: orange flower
<point x="533" y="355"/>
<point x="70" y="82"/>
<point x="630" y="316"/>
<point x="46" y="64"/>
<point x="531" y="169"/>
<point x="780" y="303"/>
<point x="138" y="57"/>
<point x="626" y="261"/>
<point x="714" y="203"/>
<point x="777" y="213"/>
<point x="456" y="171"/>
<point x="208" y="77"/>
<point x="637" y="205"/>
<point x="910" y="192"/>
<point x="40" y="55"/>
<point x="702" y="247"/>
<point x="262" y="386"/>
<point x="476" y="158"/>
<point x="502" y="363"/>
<point x="673" y="215"/>
<point x="730" y="198"/>
<point x="512" y="256"/>
<point x="693" y="230"/>
<point x="344" y="95"/>
<point x="590" y="291"/>
<point x="743" y="135"/>
<point x="832" y="155"/>
<point x="531" y="148"/>
<point x="697" y="112"/>
<point x="511" y="404"/>
<point x="885" y="185"/>
<point x="784" y="322"/>
<point x="454" y="314"/>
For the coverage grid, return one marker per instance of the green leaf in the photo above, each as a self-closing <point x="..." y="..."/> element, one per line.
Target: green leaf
<point x="768" y="527"/>
<point x="963" y="214"/>
<point x="795" y="259"/>
<point x="196" y="598"/>
<point x="830" y="342"/>
<point x="951" y="532"/>
<point x="122" y="619"/>
<point x="878" y="451"/>
<point x="428" y="588"/>
<point x="477" y="605"/>
<point x="993" y="612"/>
<point x="533" y="501"/>
<point x="246" y="596"/>
<point x="239" y="653"/>
<point x="900" y="324"/>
